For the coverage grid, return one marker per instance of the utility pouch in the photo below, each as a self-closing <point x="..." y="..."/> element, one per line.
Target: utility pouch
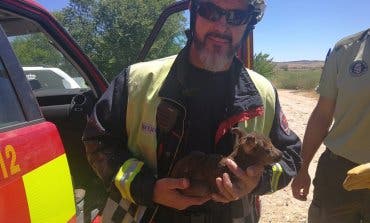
<point x="167" y="115"/>
<point x="170" y="122"/>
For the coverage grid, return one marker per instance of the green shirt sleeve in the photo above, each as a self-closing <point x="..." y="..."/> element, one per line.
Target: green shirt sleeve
<point x="328" y="82"/>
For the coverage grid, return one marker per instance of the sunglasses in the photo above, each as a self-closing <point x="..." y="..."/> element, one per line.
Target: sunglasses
<point x="214" y="13"/>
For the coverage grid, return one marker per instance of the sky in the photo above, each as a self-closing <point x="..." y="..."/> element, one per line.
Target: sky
<point x="297" y="29"/>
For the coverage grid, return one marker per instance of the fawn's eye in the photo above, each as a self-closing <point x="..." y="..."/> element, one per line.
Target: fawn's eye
<point x="242" y="141"/>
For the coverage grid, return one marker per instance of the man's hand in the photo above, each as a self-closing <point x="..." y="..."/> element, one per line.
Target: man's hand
<point x="247" y="180"/>
<point x="166" y="193"/>
<point x="301" y="185"/>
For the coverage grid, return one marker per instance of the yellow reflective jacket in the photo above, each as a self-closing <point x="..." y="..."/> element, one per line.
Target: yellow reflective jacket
<point x="123" y="139"/>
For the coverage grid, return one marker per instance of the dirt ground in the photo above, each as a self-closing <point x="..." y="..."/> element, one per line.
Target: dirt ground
<point x="281" y="206"/>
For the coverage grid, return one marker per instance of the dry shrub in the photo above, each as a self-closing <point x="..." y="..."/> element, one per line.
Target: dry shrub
<point x="296" y="79"/>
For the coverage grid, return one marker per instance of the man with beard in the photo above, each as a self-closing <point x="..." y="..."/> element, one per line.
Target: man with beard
<point x="156" y="112"/>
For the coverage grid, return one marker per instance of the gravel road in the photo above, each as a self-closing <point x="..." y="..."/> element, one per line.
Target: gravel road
<point x="281" y="207"/>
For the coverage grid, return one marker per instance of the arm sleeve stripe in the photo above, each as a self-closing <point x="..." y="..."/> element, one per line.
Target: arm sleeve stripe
<point x="126" y="175"/>
<point x="276" y="173"/>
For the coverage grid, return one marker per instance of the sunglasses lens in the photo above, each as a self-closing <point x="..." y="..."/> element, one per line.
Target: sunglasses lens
<point x="213" y="13"/>
<point x="237" y="17"/>
<point x="209" y="11"/>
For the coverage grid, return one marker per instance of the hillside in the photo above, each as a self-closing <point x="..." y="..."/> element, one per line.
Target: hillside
<point x="300" y="64"/>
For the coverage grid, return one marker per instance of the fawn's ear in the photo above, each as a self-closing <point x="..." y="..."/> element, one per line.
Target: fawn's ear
<point x="249" y="143"/>
<point x="237" y="132"/>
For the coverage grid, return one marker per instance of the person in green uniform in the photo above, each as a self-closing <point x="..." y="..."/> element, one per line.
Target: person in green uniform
<point x="345" y="98"/>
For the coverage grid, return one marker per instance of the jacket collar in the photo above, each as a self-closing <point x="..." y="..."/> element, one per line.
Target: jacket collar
<point x="243" y="96"/>
<point x="174" y="84"/>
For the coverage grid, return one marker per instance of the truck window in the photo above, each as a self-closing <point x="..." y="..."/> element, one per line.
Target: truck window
<point x="44" y="66"/>
<point x="10" y="109"/>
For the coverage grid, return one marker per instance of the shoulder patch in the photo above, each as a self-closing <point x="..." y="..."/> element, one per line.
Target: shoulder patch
<point x="284" y="123"/>
<point x="358" y="68"/>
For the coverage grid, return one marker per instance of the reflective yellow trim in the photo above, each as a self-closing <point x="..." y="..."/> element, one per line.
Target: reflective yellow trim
<point x="126" y="175"/>
<point x="49" y="192"/>
<point x="144" y="83"/>
<point x="262" y="124"/>
<point x="276" y="173"/>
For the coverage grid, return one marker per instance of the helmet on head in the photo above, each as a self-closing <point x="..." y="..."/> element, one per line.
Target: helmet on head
<point x="255" y="7"/>
<point x="258" y="7"/>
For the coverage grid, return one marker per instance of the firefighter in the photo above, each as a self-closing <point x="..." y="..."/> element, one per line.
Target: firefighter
<point x="158" y="111"/>
<point x="344" y="96"/>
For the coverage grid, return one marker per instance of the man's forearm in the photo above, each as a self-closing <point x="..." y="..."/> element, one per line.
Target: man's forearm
<point x="317" y="128"/>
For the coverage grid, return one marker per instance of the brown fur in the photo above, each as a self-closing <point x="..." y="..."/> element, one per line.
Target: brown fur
<point x="203" y="169"/>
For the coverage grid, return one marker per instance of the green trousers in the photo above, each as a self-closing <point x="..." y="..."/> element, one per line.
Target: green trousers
<point x="331" y="202"/>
